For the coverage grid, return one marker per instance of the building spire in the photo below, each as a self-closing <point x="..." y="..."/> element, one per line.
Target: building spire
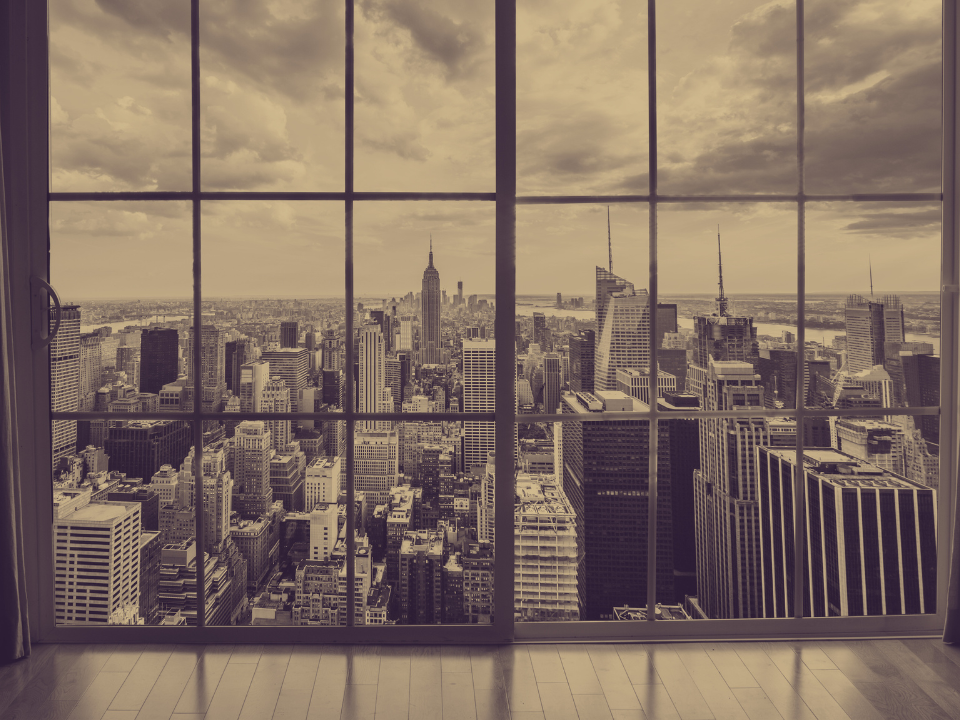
<point x="870" y="261"/>
<point x="721" y="299"/>
<point x="609" y="241"/>
<point x="430" y="264"/>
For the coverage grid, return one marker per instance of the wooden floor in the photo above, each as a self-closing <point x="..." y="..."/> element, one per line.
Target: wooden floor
<point x="835" y="679"/>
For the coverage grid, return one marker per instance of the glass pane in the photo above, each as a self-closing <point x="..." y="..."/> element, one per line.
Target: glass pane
<point x="873" y="328"/>
<point x="869" y="517"/>
<point x="119" y="96"/>
<point x="727" y="274"/>
<point x="119" y="514"/>
<point x="425" y="97"/>
<point x="120" y="342"/>
<point x="873" y="105"/>
<point x="582" y="514"/>
<point x="561" y="303"/>
<point x="581" y="98"/>
<point x="272" y="88"/>
<point x="273" y="305"/>
<point x="726" y="100"/>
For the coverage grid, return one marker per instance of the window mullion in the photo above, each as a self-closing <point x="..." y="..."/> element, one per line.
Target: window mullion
<point x="349" y="404"/>
<point x="653" y="436"/>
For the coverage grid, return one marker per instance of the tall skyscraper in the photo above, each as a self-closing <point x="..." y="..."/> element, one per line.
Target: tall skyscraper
<point x="374" y="395"/>
<point x="159" y="360"/>
<point x="253" y="377"/>
<point x="293" y="366"/>
<point x="551" y="383"/>
<point x="252" y="451"/>
<point x="331" y="351"/>
<point x="869" y="325"/>
<point x="582" y="350"/>
<point x="479" y="395"/>
<point x="459" y="292"/>
<point x="871" y="543"/>
<point x="276" y="399"/>
<point x="65" y="381"/>
<point x="430" y="314"/>
<point x="624" y="338"/>
<point x="91" y="370"/>
<point x="540" y="331"/>
<point x="666" y="321"/>
<point x="604" y="467"/>
<point x="140" y="448"/>
<point x="726" y="518"/>
<point x="212" y="383"/>
<point x="607" y="285"/>
<point x="100" y="583"/>
<point x="289" y="334"/>
<point x="376" y="465"/>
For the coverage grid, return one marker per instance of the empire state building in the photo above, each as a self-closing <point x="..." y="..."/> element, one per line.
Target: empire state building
<point x="430" y="314"/>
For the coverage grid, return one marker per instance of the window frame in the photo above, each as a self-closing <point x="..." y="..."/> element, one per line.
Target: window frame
<point x="27" y="109"/>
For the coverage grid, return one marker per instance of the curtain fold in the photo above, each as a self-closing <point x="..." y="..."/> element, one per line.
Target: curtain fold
<point x="14" y="625"/>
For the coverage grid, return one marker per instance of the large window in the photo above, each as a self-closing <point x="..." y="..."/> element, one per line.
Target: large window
<point x="523" y="319"/>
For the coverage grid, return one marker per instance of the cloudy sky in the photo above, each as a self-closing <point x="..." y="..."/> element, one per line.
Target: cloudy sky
<point x="272" y="89"/>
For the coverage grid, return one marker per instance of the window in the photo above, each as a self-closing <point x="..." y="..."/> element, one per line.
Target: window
<point x="500" y="138"/>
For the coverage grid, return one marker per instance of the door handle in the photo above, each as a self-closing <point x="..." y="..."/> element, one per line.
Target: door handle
<point x="45" y="338"/>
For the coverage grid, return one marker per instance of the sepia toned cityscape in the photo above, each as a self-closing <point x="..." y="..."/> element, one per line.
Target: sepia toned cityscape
<point x="274" y="495"/>
<point x="244" y="147"/>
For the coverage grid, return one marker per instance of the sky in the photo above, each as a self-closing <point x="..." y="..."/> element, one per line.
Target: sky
<point x="272" y="105"/>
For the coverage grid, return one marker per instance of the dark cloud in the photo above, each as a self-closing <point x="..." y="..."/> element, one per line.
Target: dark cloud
<point x="457" y="46"/>
<point x="909" y="223"/>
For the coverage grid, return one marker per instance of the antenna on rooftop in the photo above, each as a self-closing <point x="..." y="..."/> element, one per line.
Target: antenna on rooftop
<point x="609" y="240"/>
<point x="870" y="261"/>
<point x="721" y="299"/>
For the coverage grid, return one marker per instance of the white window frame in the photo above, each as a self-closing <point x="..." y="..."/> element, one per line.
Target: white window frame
<point x="25" y="117"/>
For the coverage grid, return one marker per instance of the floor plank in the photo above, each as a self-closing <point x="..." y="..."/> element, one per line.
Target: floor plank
<point x="896" y="699"/>
<point x="546" y="664"/>
<point x="53" y="694"/>
<point x="426" y="693"/>
<point x="363" y="665"/>
<point x="393" y="689"/>
<point x="328" y="693"/>
<point x="729" y="665"/>
<point x="142" y="677"/>
<point x="656" y="702"/>
<point x="246" y="654"/>
<point x="172" y="681"/>
<point x="682" y="689"/>
<point x="613" y="678"/>
<point x="459" y="702"/>
<point x="15" y="676"/>
<point x="924" y="675"/>
<point x="359" y="702"/>
<point x="638" y="665"/>
<point x="756" y="704"/>
<point x="776" y="687"/>
<point x="227" y="701"/>
<point x="520" y="681"/>
<point x="557" y="701"/>
<point x="267" y="680"/>
<point x="96" y="700"/>
<point x="487" y="668"/>
<point x="298" y="682"/>
<point x="714" y="689"/>
<point x="578" y="668"/>
<point x="204" y="679"/>
<point x="592" y="707"/>
<point x="847" y="695"/>
<point x="491" y="703"/>
<point x="821" y="703"/>
<point x="454" y="658"/>
<point x="852" y="665"/>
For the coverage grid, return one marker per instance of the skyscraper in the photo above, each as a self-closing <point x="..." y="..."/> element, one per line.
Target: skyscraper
<point x="292" y="365"/>
<point x="607" y="285"/>
<point x="159" y="361"/>
<point x="65" y="381"/>
<point x="276" y="399"/>
<point x="551" y="383"/>
<point x="252" y="451"/>
<point x="91" y="370"/>
<point x="624" y="338"/>
<point x="479" y="395"/>
<point x="605" y="477"/>
<point x="102" y="584"/>
<point x="430" y="313"/>
<point x="726" y="518"/>
<point x="140" y="448"/>
<point x="869" y="325"/>
<point x="212" y="384"/>
<point x="871" y="538"/>
<point x="374" y="395"/>
<point x="540" y="331"/>
<point x="582" y="349"/>
<point x="289" y="334"/>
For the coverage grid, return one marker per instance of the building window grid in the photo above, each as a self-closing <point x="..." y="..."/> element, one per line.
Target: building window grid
<point x="506" y="300"/>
